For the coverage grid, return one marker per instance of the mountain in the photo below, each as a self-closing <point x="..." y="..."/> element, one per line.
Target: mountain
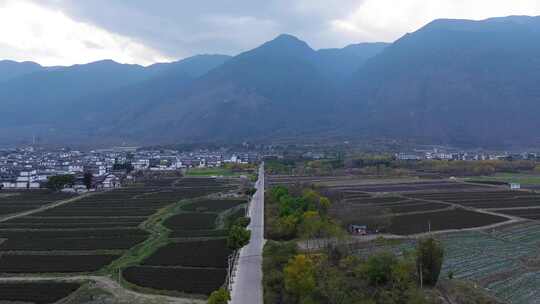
<point x="453" y="81"/>
<point x="340" y="64"/>
<point x="12" y="69"/>
<point x="461" y="82"/>
<point x="194" y="67"/>
<point x="262" y="92"/>
<point x="65" y="102"/>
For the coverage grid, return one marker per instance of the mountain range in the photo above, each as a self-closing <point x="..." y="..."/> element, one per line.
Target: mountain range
<point x="462" y="82"/>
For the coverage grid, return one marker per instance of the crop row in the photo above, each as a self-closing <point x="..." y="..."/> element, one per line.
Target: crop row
<point x="441" y="220"/>
<point x="191" y="221"/>
<point x="15" y="202"/>
<point x="206" y="253"/>
<point x="36" y="292"/>
<point x="407" y="187"/>
<point x="125" y="241"/>
<point x="186" y="280"/>
<point x="22" y="263"/>
<point x="213" y="205"/>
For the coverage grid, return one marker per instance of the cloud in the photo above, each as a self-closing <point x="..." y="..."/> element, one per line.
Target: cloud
<point x="376" y="20"/>
<point x="144" y="31"/>
<point x="183" y="28"/>
<point x="32" y="32"/>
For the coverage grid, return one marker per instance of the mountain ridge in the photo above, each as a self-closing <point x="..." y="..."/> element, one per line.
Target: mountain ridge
<point x="451" y="81"/>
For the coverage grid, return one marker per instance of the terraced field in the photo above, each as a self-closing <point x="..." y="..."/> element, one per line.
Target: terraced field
<point x="194" y="257"/>
<point x="96" y="234"/>
<point x="12" y="202"/>
<point x="37" y="293"/>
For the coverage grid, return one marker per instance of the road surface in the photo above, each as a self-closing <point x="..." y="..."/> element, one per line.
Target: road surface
<point x="247" y="285"/>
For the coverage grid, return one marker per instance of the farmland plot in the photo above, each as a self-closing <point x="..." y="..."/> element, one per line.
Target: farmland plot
<point x="486" y="200"/>
<point x="502" y="260"/>
<point x="20" y="263"/>
<point x="207" y="253"/>
<point x="73" y="237"/>
<point x="441" y="220"/>
<point x="15" y="202"/>
<point x="36" y="293"/>
<point x="185" y="280"/>
<point x="196" y="254"/>
<point x="531" y="214"/>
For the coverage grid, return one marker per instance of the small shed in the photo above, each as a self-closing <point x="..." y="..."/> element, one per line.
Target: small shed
<point x="358" y="229"/>
<point x="515" y="186"/>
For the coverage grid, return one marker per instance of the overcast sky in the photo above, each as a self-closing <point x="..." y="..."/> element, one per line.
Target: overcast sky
<point x="63" y="32"/>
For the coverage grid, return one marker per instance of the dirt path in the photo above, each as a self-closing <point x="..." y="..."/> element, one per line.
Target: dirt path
<point x="43" y="208"/>
<point x="107" y="284"/>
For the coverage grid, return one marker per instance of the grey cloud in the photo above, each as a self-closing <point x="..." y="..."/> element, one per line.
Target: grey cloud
<point x="183" y="28"/>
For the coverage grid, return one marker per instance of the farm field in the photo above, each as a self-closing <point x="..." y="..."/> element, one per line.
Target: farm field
<point x="211" y="172"/>
<point x="441" y="220"/>
<point x="503" y="260"/>
<point x="531" y="214"/>
<point x="520" y="178"/>
<point x="195" y="252"/>
<point x="12" y="202"/>
<point x="36" y="293"/>
<point x="180" y="279"/>
<point x="98" y="233"/>
<point x="205" y="253"/>
<point x="29" y="263"/>
<point x="485" y="200"/>
<point x="410" y="187"/>
<point x="413" y="207"/>
<point x="213" y="205"/>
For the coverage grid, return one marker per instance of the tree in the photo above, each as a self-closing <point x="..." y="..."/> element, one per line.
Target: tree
<point x="220" y="296"/>
<point x="250" y="191"/>
<point x="87" y="180"/>
<point x="59" y="182"/>
<point x="429" y="260"/>
<point x="378" y="269"/>
<point x="324" y="205"/>
<point x="242" y="221"/>
<point x="300" y="277"/>
<point x="238" y="237"/>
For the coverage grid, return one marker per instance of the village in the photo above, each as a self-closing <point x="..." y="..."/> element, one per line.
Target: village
<point x="31" y="168"/>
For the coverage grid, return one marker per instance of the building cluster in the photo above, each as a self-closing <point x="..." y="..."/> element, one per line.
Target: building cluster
<point x="437" y="154"/>
<point x="30" y="168"/>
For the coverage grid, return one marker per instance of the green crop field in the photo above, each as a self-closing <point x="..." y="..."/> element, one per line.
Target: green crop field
<point x="524" y="179"/>
<point x="504" y="261"/>
<point x="211" y="172"/>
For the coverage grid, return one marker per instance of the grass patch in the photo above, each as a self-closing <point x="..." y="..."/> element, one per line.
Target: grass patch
<point x="520" y="178"/>
<point x="211" y="172"/>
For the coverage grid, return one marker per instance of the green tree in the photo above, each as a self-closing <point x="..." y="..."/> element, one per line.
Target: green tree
<point x="242" y="221"/>
<point x="378" y="269"/>
<point x="429" y="260"/>
<point x="238" y="237"/>
<point x="299" y="277"/>
<point x="59" y="182"/>
<point x="220" y="296"/>
<point x="87" y="179"/>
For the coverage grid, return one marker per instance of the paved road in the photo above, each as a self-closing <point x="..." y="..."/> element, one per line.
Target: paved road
<point x="247" y="286"/>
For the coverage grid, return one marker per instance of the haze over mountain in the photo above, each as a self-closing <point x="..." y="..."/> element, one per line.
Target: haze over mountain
<point x="11" y="69"/>
<point x="453" y="81"/>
